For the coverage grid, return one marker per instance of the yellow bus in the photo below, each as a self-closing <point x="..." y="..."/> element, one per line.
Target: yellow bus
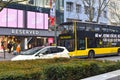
<point x="89" y="39"/>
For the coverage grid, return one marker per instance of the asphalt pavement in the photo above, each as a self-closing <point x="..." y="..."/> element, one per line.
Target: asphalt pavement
<point x="6" y="56"/>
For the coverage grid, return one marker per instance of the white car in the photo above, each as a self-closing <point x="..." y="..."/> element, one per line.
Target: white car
<point x="43" y="53"/>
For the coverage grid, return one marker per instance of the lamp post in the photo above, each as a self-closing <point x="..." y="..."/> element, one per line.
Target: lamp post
<point x="53" y="20"/>
<point x="55" y="25"/>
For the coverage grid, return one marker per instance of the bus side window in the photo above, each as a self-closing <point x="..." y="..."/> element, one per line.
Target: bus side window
<point x="91" y="43"/>
<point x="81" y="44"/>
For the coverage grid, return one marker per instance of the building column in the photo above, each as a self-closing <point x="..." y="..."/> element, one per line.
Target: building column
<point x="25" y="43"/>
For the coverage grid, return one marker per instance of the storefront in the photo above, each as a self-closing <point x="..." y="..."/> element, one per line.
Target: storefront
<point x="27" y="38"/>
<point x="25" y="25"/>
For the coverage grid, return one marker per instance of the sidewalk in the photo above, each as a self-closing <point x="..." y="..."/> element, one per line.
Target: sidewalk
<point x="8" y="56"/>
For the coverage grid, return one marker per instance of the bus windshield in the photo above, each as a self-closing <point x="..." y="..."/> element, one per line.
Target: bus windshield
<point x="66" y="37"/>
<point x="66" y="28"/>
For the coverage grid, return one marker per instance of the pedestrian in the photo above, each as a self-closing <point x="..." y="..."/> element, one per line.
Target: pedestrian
<point x="9" y="46"/>
<point x="2" y="45"/>
<point x="14" y="46"/>
<point x="18" y="49"/>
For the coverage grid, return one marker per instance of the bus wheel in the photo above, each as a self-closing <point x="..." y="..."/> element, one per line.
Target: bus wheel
<point x="91" y="54"/>
<point x="118" y="52"/>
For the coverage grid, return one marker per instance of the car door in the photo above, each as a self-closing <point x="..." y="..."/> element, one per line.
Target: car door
<point x="44" y="54"/>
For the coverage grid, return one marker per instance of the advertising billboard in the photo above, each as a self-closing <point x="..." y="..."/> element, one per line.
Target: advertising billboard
<point x="37" y="20"/>
<point x="46" y="21"/>
<point x="31" y="19"/>
<point x="3" y="17"/>
<point x="11" y="18"/>
<point x="20" y="19"/>
<point x="14" y="18"/>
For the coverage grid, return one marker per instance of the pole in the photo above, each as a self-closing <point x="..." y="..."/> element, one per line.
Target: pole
<point x="4" y="52"/>
<point x="55" y="25"/>
<point x="53" y="19"/>
<point x="55" y="33"/>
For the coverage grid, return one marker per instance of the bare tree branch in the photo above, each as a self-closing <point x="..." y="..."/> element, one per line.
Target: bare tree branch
<point x="115" y="11"/>
<point x="4" y="4"/>
<point x="102" y="4"/>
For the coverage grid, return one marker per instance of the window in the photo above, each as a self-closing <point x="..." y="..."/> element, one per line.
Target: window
<point x="45" y="51"/>
<point x="86" y="9"/>
<point x="105" y="14"/>
<point x="81" y="44"/>
<point x="78" y="8"/>
<point x="53" y="50"/>
<point x="60" y="49"/>
<point x="56" y="50"/>
<point x="68" y="43"/>
<point x="91" y="43"/>
<point x="80" y="26"/>
<point x="69" y="6"/>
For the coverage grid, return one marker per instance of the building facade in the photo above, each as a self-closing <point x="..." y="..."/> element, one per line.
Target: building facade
<point x="114" y="12"/>
<point x="77" y="10"/>
<point x="26" y="23"/>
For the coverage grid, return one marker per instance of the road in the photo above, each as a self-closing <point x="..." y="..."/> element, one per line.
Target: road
<point x="111" y="58"/>
<point x="8" y="56"/>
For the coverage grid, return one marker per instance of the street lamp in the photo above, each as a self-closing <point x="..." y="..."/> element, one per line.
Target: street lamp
<point x="53" y="19"/>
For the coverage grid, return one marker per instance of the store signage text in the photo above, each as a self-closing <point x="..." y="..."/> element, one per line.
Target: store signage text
<point x="25" y="32"/>
<point x="108" y="37"/>
<point x="99" y="35"/>
<point x="65" y="37"/>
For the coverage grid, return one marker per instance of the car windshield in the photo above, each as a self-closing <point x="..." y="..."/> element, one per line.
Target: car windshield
<point x="31" y="51"/>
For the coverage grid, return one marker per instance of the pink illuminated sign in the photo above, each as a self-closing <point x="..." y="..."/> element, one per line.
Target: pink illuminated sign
<point x="31" y="20"/>
<point x="46" y="21"/>
<point x="20" y="18"/>
<point x="12" y="18"/>
<point x="3" y="17"/>
<point x="37" y="20"/>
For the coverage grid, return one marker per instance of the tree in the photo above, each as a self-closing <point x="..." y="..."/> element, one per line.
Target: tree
<point x="3" y="4"/>
<point x="90" y="10"/>
<point x="114" y="9"/>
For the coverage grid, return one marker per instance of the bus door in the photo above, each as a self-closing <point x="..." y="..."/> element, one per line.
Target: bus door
<point x="69" y="44"/>
<point x="81" y="47"/>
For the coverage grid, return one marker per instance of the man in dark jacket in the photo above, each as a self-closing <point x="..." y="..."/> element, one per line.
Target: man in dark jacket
<point x="9" y="46"/>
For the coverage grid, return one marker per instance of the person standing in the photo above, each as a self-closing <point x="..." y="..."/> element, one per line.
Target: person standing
<point x="9" y="46"/>
<point x="18" y="49"/>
